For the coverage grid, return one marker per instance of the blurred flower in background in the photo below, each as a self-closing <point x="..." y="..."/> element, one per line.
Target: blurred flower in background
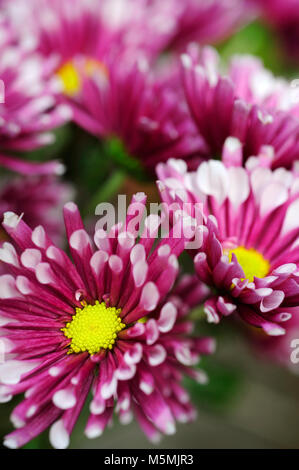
<point x="97" y="97"/>
<point x="40" y="199"/>
<point x="146" y="26"/>
<point x="206" y="22"/>
<point x="102" y="43"/>
<point x="249" y="104"/>
<point x="157" y="27"/>
<point x="29" y="109"/>
<point x="140" y="113"/>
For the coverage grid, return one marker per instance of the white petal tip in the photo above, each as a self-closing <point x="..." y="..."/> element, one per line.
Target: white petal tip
<point x="93" y="432"/>
<point x="58" y="436"/>
<point x="170" y="428"/>
<point x="11" y="219"/>
<point x="10" y="443"/>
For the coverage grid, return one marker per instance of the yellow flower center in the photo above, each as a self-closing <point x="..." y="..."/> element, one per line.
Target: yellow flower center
<point x="70" y="78"/>
<point x="93" y="327"/>
<point x="71" y="74"/>
<point x="252" y="262"/>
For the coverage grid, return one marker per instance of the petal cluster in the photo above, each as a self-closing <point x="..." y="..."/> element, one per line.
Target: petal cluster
<point x="152" y="123"/>
<point x="29" y="107"/>
<point x="142" y="373"/>
<point x="248" y="103"/>
<point x="141" y="26"/>
<point x="40" y="199"/>
<point x="252" y="209"/>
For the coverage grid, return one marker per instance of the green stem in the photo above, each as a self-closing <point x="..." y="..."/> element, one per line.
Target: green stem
<point x="197" y="313"/>
<point x="107" y="190"/>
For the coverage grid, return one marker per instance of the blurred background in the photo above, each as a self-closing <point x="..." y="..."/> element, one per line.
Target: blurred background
<point x="249" y="401"/>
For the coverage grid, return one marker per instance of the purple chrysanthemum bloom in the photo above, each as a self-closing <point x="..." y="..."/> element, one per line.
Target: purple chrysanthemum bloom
<point x="71" y="34"/>
<point x="64" y="29"/>
<point x="105" y="323"/>
<point x="154" y="26"/>
<point x="29" y="107"/>
<point x="72" y="27"/>
<point x="98" y="65"/>
<point x="39" y="198"/>
<point x="206" y="22"/>
<point x="250" y="252"/>
<point x="144" y="26"/>
<point x="249" y="103"/>
<point x="141" y="110"/>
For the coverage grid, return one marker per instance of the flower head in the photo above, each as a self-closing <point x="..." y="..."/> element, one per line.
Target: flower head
<point x="140" y="26"/>
<point x="249" y="254"/>
<point x="249" y="104"/>
<point x="106" y="323"/>
<point x="151" y="123"/>
<point x="98" y="61"/>
<point x="205" y="22"/>
<point x="72" y="35"/>
<point x="154" y="26"/>
<point x="29" y="107"/>
<point x="61" y="29"/>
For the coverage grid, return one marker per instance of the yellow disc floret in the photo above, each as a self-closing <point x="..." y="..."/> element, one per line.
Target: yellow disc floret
<point x="252" y="262"/>
<point x="93" y="327"/>
<point x="72" y="72"/>
<point x="70" y="78"/>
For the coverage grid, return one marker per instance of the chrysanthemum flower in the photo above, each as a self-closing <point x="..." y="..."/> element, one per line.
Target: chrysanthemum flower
<point x="28" y="108"/>
<point x="39" y="198"/>
<point x="250" y="252"/>
<point x="206" y="22"/>
<point x="150" y="27"/>
<point x="104" y="324"/>
<point x="71" y="34"/>
<point x="60" y="28"/>
<point x="143" y="26"/>
<point x="249" y="103"/>
<point x="141" y="111"/>
<point x="154" y="26"/>
<point x="97" y="70"/>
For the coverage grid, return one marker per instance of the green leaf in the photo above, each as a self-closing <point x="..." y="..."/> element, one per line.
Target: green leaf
<point x="107" y="190"/>
<point x="63" y="136"/>
<point x="40" y="442"/>
<point x="115" y="149"/>
<point x="256" y="39"/>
